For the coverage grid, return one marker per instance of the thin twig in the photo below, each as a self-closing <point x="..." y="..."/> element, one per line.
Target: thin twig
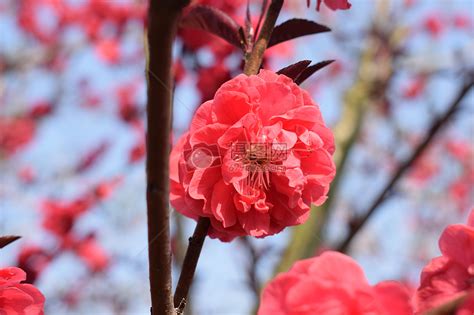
<point x="252" y="279"/>
<point x="254" y="60"/>
<point x="190" y="262"/>
<point x="162" y="27"/>
<point x="436" y="126"/>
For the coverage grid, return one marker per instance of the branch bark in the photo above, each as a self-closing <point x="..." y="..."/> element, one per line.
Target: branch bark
<point x="436" y="126"/>
<point x="190" y="262"/>
<point x="254" y="60"/>
<point x="163" y="19"/>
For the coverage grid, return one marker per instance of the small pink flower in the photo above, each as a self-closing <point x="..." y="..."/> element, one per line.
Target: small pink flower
<point x="332" y="284"/>
<point x="93" y="255"/>
<point x="334" y="4"/>
<point x="256" y="157"/>
<point x="16" y="297"/>
<point x="434" y="25"/>
<point x="452" y="274"/>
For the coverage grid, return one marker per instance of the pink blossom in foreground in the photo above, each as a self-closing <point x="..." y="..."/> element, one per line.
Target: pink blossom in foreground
<point x="255" y="158"/>
<point x="332" y="284"/>
<point x="18" y="298"/>
<point x="451" y="275"/>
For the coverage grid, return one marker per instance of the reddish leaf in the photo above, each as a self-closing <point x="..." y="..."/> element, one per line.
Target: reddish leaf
<point x="294" y="70"/>
<point x="213" y="21"/>
<point x="91" y="157"/>
<point x="311" y="70"/>
<point x="5" y="240"/>
<point x="295" y="28"/>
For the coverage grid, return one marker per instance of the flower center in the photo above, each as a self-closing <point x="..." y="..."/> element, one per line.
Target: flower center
<point x="258" y="159"/>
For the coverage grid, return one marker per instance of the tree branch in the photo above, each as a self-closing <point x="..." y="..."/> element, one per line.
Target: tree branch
<point x="162" y="26"/>
<point x="254" y="60"/>
<point x="190" y="262"/>
<point x="436" y="126"/>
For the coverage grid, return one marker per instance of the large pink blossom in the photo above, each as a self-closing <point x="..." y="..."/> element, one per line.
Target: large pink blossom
<point x="332" y="284"/>
<point x="451" y="275"/>
<point x="255" y="158"/>
<point x="18" y="298"/>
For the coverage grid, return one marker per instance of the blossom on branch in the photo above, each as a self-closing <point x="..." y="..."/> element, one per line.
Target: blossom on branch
<point x="451" y="275"/>
<point x="332" y="283"/>
<point x="255" y="158"/>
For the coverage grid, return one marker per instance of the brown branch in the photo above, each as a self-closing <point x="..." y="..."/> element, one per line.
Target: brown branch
<point x="254" y="60"/>
<point x="162" y="26"/>
<point x="436" y="126"/>
<point x="252" y="279"/>
<point x="190" y="262"/>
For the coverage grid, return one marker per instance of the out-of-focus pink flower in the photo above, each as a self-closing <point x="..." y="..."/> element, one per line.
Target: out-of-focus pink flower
<point x="93" y="255"/>
<point x="18" y="298"/>
<point x="179" y="71"/>
<point x="15" y="133"/>
<point x="424" y="169"/>
<point x="462" y="21"/>
<point x="332" y="283"/>
<point x="33" y="260"/>
<point x="128" y="109"/>
<point x="59" y="216"/>
<point x="414" y="88"/>
<point x="461" y="150"/>
<point x="334" y="4"/>
<point x="40" y="109"/>
<point x="105" y="188"/>
<point x="137" y="152"/>
<point x="108" y="50"/>
<point x="451" y="275"/>
<point x="210" y="79"/>
<point x="256" y="157"/>
<point x="461" y="191"/>
<point x="27" y="174"/>
<point x="434" y="25"/>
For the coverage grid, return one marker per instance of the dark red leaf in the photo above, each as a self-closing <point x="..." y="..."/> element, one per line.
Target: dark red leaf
<point x="213" y="21"/>
<point x="309" y="71"/>
<point x="295" y="28"/>
<point x="91" y="157"/>
<point x="294" y="70"/>
<point x="5" y="240"/>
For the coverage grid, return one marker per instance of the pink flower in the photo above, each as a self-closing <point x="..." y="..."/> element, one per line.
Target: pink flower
<point x="93" y="255"/>
<point x="60" y="217"/>
<point x="18" y="298"/>
<point x="256" y="157"/>
<point x="434" y="25"/>
<point x="452" y="274"/>
<point x="210" y="79"/>
<point x="332" y="284"/>
<point x="33" y="260"/>
<point x="15" y="133"/>
<point x="334" y="4"/>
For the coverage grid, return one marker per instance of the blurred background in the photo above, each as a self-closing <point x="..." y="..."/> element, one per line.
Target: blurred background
<point x="72" y="181"/>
